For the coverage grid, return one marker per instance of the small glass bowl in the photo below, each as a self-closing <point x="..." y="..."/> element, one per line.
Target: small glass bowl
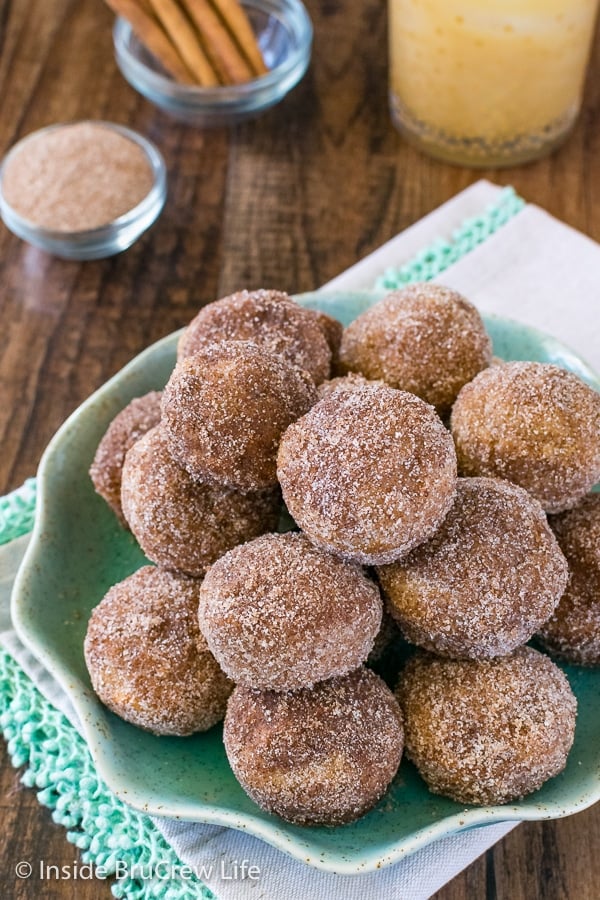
<point x="284" y="32"/>
<point x="106" y="240"/>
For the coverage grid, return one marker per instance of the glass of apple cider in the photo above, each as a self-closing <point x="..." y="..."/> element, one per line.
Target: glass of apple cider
<point x="488" y="82"/>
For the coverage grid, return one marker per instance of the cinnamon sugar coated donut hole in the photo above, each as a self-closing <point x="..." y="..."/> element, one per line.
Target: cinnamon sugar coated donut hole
<point x="490" y="576"/>
<point x="225" y="408"/>
<point x="138" y="417"/>
<point x="573" y="632"/>
<point x="425" y="339"/>
<point x="534" y="424"/>
<point x="319" y="756"/>
<point x="269" y="318"/>
<point x="147" y="658"/>
<point x="280" y="614"/>
<point x="368" y="473"/>
<point x="487" y="731"/>
<point x="183" y="523"/>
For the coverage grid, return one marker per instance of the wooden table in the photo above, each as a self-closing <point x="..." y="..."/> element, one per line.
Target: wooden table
<point x="286" y="201"/>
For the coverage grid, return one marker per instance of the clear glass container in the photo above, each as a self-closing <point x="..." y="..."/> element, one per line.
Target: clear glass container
<point x="106" y="240"/>
<point x="488" y="82"/>
<point x="284" y="33"/>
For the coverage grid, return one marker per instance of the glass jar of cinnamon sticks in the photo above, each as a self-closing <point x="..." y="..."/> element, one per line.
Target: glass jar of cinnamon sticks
<point x="212" y="62"/>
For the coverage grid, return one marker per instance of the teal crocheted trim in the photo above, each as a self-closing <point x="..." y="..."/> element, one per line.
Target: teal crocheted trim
<point x="17" y="511"/>
<point x="108" y="833"/>
<point x="436" y="258"/>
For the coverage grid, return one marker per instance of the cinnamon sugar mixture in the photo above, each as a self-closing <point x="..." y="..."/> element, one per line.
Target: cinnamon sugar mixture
<point x="76" y="177"/>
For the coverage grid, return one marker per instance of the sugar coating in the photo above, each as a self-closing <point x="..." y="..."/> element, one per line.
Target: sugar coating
<point x="534" y="424"/>
<point x="319" y="756"/>
<point x="138" y="417"/>
<point x="487" y="731"/>
<point x="368" y="473"/>
<point x="225" y="409"/>
<point x="184" y="523"/>
<point x="269" y="318"/>
<point x="425" y="339"/>
<point x="573" y="632"/>
<point x="280" y="614"/>
<point x="147" y="658"/>
<point x="341" y="383"/>
<point x="489" y="577"/>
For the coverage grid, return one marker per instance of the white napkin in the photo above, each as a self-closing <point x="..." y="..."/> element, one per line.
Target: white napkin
<point x="534" y="269"/>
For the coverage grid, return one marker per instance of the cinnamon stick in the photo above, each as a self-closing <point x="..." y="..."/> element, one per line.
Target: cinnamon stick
<point x="150" y="33"/>
<point x="218" y="42"/>
<point x="181" y="32"/>
<point x="238" y="24"/>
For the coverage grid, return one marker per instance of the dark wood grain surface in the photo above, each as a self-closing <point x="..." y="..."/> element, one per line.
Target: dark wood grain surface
<point x="288" y="201"/>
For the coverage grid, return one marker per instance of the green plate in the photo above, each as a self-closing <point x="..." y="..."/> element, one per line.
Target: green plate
<point x="78" y="551"/>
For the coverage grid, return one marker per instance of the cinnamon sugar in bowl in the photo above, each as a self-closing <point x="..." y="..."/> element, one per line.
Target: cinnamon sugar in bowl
<point x="82" y="190"/>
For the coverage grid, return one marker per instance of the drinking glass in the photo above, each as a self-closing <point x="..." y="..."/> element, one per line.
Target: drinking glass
<point x="488" y="82"/>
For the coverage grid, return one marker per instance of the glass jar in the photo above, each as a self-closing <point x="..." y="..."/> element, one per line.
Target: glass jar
<point x="488" y="82"/>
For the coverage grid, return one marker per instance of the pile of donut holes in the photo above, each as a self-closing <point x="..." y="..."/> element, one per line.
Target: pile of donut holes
<point x="441" y="500"/>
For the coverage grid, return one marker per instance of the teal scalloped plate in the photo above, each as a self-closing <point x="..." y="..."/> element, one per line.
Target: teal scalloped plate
<point x="78" y="551"/>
